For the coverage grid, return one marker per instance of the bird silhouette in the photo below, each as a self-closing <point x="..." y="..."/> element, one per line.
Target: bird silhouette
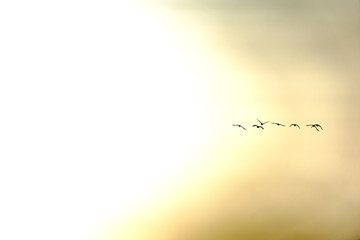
<point x="238" y="125"/>
<point x="278" y="124"/>
<point x="318" y="125"/>
<point x="295" y="125"/>
<point x="262" y="123"/>
<point x="315" y="126"/>
<point x="257" y="126"/>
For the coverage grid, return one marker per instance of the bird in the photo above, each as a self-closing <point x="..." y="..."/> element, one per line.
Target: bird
<point x="279" y="124"/>
<point x="295" y="125"/>
<point x="238" y="125"/>
<point x="258" y="126"/>
<point x="262" y="123"/>
<point x="315" y="126"/>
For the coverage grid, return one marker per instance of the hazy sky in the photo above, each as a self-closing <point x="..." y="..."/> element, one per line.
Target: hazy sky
<point x="116" y="120"/>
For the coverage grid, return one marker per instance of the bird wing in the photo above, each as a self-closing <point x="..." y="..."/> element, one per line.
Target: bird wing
<point x="310" y="125"/>
<point x="316" y="128"/>
<point x="282" y="125"/>
<point x="261" y="127"/>
<point x="254" y="125"/>
<point x="243" y="127"/>
<point x="319" y="126"/>
<point x="266" y="122"/>
<point x="259" y="121"/>
<point x="292" y="125"/>
<point x="298" y="126"/>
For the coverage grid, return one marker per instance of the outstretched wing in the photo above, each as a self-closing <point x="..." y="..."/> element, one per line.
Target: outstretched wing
<point x="298" y="126"/>
<point x="261" y="127"/>
<point x="242" y="127"/>
<point x="319" y="126"/>
<point x="259" y="121"/>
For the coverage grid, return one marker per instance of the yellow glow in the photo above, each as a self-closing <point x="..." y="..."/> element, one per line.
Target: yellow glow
<point x="117" y="120"/>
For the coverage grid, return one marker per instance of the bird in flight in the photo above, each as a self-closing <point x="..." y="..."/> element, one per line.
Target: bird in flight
<point x="315" y="126"/>
<point x="238" y="125"/>
<point x="278" y="124"/>
<point x="262" y="123"/>
<point x="257" y="126"/>
<point x="295" y="125"/>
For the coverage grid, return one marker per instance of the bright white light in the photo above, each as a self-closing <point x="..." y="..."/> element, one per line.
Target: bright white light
<point x="100" y="111"/>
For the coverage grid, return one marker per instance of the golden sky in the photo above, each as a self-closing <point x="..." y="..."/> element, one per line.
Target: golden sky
<point x="117" y="120"/>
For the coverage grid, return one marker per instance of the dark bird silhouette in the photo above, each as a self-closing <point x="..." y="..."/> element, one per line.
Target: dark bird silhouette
<point x="315" y="126"/>
<point x="238" y="125"/>
<point x="318" y="125"/>
<point x="262" y="123"/>
<point x="258" y="126"/>
<point x="295" y="125"/>
<point x="278" y="124"/>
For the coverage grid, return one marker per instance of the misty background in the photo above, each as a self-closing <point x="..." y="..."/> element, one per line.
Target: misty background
<point x="116" y="119"/>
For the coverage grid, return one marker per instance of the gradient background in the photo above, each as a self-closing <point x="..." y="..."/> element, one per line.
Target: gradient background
<point x="116" y="120"/>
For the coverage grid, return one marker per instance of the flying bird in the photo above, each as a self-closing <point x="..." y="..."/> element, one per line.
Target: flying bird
<point x="278" y="124"/>
<point x="262" y="123"/>
<point x="318" y="125"/>
<point x="238" y="125"/>
<point x="295" y="125"/>
<point x="315" y="126"/>
<point x="257" y="126"/>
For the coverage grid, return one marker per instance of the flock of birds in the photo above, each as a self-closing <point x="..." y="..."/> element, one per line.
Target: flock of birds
<point x="316" y="126"/>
